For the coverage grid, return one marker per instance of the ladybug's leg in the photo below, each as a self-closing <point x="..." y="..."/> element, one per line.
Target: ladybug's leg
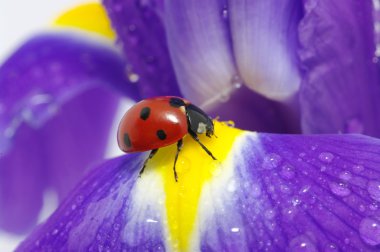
<point x="146" y="160"/>
<point x="195" y="136"/>
<point x="179" y="147"/>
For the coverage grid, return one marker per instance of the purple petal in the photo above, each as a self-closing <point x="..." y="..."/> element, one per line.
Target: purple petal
<point x="58" y="105"/>
<point x="142" y="35"/>
<point x="249" y="110"/>
<point x="47" y="71"/>
<point x="198" y="37"/>
<point x="340" y="91"/>
<point x="274" y="193"/>
<point x="54" y="156"/>
<point x="264" y="35"/>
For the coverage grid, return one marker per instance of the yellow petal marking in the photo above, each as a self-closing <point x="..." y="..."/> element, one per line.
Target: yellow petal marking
<point x="194" y="168"/>
<point x="90" y="17"/>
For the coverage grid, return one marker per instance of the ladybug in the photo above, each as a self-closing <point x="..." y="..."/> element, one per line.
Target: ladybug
<point x="161" y="121"/>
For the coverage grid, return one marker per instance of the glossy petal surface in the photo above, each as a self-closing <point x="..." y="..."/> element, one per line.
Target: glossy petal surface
<point x="47" y="71"/>
<point x="264" y="35"/>
<point x="340" y="92"/>
<point x="141" y="33"/>
<point x="270" y="192"/>
<point x="200" y="47"/>
<point x="55" y="90"/>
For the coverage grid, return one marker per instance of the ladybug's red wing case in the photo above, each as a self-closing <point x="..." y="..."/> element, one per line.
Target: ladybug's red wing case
<point x="152" y="124"/>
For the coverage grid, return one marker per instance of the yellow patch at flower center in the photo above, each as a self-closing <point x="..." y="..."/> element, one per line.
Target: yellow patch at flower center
<point x="90" y="17"/>
<point x="194" y="167"/>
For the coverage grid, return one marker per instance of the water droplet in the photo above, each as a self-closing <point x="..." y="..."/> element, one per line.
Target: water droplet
<point x="285" y="189"/>
<point x="236" y="81"/>
<point x="331" y="247"/>
<point x="305" y="188"/>
<point x="235" y="229"/>
<point x="79" y="199"/>
<point x="373" y="206"/>
<point x="39" y="109"/>
<point x="225" y="12"/>
<point x="345" y="175"/>
<point x="271" y="161"/>
<point x="358" y="168"/>
<point x="287" y="171"/>
<point x="231" y="187"/>
<point x="369" y="230"/>
<point x="374" y="189"/>
<point x="340" y="189"/>
<point x="255" y="190"/>
<point x="116" y="226"/>
<point x="326" y="157"/>
<point x="302" y="243"/>
<point x="151" y="221"/>
<point x="296" y="201"/>
<point x="323" y="168"/>
<point x="55" y="232"/>
<point x="289" y="213"/>
<point x="354" y="125"/>
<point x="269" y="214"/>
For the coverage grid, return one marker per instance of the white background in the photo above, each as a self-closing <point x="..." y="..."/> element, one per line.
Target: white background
<point x="18" y="20"/>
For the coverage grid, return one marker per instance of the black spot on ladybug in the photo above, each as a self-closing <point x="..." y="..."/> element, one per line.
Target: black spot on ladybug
<point x="176" y="102"/>
<point x="161" y="134"/>
<point x="127" y="140"/>
<point x="144" y="113"/>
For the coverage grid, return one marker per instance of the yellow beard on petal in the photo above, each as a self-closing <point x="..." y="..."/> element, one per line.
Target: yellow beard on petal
<point x="90" y="17"/>
<point x="194" y="167"/>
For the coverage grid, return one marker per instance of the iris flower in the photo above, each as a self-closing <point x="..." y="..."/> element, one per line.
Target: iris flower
<point x="280" y="67"/>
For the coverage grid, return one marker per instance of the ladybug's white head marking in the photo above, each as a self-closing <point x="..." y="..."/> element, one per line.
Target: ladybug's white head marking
<point x="202" y="128"/>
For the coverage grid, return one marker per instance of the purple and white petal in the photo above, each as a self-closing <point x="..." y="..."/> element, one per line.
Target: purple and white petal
<point x="141" y="32"/>
<point x="264" y="36"/>
<point x="58" y="99"/>
<point x="340" y="91"/>
<point x="200" y="47"/>
<point x="272" y="193"/>
<point x="295" y="193"/>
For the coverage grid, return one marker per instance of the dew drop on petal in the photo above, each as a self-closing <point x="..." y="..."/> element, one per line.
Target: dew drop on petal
<point x="369" y="230"/>
<point x="287" y="171"/>
<point x="235" y="229"/>
<point x="374" y="189"/>
<point x="326" y="157"/>
<point x="271" y="161"/>
<point x="225" y="12"/>
<point x="345" y="175"/>
<point x="39" y="108"/>
<point x="302" y="243"/>
<point x="331" y="247"/>
<point x="340" y="189"/>
<point x="255" y="190"/>
<point x="357" y="168"/>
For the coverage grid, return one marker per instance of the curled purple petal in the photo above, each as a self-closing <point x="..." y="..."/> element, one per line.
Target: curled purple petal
<point x="340" y="91"/>
<point x="47" y="71"/>
<point x="58" y="99"/>
<point x="265" y="40"/>
<point x="141" y="32"/>
<point x="273" y="193"/>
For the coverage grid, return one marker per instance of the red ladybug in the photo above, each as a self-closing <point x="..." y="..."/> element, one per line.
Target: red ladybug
<point x="161" y="121"/>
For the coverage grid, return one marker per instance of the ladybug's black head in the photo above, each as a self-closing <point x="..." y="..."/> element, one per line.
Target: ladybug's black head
<point x="198" y="121"/>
